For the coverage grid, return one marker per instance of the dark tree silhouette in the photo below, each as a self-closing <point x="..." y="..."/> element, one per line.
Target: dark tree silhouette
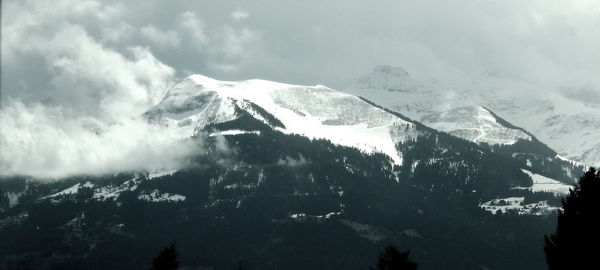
<point x="392" y="259"/>
<point x="240" y="266"/>
<point x="576" y="242"/>
<point x="166" y="260"/>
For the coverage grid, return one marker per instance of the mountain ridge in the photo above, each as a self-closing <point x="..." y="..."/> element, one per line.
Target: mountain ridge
<point x="559" y="121"/>
<point x="289" y="171"/>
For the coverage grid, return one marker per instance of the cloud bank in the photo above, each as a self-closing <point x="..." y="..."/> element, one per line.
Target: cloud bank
<point x="83" y="115"/>
<point x="42" y="142"/>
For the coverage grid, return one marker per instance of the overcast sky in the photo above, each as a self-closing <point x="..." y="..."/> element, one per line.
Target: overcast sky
<point x="71" y="64"/>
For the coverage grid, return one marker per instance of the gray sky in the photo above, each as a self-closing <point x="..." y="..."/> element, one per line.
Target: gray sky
<point x="69" y="63"/>
<point x="333" y="42"/>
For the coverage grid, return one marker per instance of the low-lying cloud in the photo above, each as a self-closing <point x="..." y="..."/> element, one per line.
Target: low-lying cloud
<point x="43" y="142"/>
<point x="76" y="109"/>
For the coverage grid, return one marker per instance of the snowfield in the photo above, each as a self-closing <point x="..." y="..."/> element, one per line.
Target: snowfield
<point x="476" y="124"/>
<point x="545" y="184"/>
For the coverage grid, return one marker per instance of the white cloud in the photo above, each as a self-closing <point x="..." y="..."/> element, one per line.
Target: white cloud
<point x="25" y="24"/>
<point x="292" y="162"/>
<point x="232" y="52"/>
<point x="192" y="26"/>
<point x="101" y="80"/>
<point x="85" y="117"/>
<point x="165" y="39"/>
<point x="39" y="141"/>
<point x="117" y="33"/>
<point x="240" y="14"/>
<point x="552" y="44"/>
<point x="234" y="41"/>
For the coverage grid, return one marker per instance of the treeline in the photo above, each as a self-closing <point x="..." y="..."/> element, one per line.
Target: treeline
<point x="389" y="259"/>
<point x="574" y="244"/>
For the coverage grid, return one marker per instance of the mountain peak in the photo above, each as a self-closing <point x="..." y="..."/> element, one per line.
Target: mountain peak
<point x="392" y="71"/>
<point x="389" y="78"/>
<point x="202" y="80"/>
<point x="316" y="112"/>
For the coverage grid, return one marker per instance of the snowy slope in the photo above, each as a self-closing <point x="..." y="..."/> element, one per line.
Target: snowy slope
<point x="545" y="184"/>
<point x="316" y="112"/>
<point x="476" y="124"/>
<point x="568" y="124"/>
<point x="441" y="109"/>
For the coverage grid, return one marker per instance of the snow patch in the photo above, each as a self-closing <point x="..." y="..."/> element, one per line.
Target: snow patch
<point x="13" y="198"/>
<point x="111" y="192"/>
<point x="156" y="174"/>
<point x="476" y="124"/>
<point x="71" y="190"/>
<point x="156" y="196"/>
<point x="570" y="161"/>
<point x="516" y="205"/>
<point x="545" y="184"/>
<point x="304" y="216"/>
<point x="234" y="132"/>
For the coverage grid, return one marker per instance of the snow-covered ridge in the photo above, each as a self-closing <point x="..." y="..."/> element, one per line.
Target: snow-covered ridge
<point x="441" y="109"/>
<point x="100" y="193"/>
<point x="112" y="192"/>
<point x="565" y="121"/>
<point x="476" y="124"/>
<point x="389" y="78"/>
<point x="317" y="112"/>
<point x="71" y="190"/>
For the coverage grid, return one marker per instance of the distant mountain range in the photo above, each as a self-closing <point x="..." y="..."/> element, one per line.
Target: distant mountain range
<point x="305" y="177"/>
<point x="568" y="124"/>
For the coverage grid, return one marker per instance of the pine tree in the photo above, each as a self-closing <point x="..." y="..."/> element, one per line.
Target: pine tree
<point x="392" y="259"/>
<point x="240" y="266"/>
<point x="166" y="260"/>
<point x="575" y="244"/>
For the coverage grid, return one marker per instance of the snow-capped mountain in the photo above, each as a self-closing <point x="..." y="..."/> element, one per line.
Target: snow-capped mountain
<point x="446" y="111"/>
<point x="319" y="112"/>
<point x="316" y="112"/>
<point x="569" y="126"/>
<point x="283" y="170"/>
<point x="476" y="124"/>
